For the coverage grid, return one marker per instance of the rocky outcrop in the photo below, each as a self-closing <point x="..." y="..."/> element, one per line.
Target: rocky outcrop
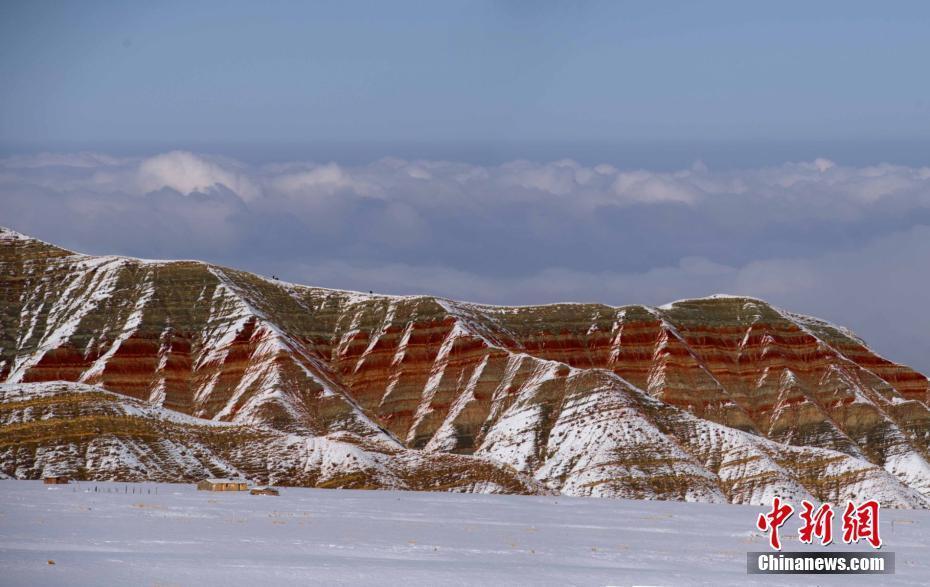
<point x="89" y="433"/>
<point x="715" y="399"/>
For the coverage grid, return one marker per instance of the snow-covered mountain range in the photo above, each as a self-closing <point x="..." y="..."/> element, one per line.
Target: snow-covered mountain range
<point x="121" y="368"/>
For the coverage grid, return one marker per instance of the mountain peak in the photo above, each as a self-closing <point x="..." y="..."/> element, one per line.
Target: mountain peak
<point x="12" y="238"/>
<point x="8" y="234"/>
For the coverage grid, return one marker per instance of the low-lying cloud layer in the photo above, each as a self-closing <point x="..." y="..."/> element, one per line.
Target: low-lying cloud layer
<point x="847" y="244"/>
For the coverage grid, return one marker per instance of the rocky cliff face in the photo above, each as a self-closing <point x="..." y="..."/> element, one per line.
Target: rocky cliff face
<point x="717" y="399"/>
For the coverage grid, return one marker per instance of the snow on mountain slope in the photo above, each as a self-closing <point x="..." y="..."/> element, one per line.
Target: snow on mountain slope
<point x="87" y="432"/>
<point x="716" y="399"/>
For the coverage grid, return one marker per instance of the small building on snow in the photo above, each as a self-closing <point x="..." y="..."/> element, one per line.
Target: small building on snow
<point x="223" y="485"/>
<point x="264" y="491"/>
<point x="56" y="480"/>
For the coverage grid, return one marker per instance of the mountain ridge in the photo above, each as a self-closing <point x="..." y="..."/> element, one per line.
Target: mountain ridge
<point x="586" y="399"/>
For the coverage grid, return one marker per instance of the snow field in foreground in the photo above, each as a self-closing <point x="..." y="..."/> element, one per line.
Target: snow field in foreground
<point x="310" y="536"/>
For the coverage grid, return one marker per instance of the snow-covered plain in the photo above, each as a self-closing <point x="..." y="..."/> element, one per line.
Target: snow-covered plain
<point x="331" y="537"/>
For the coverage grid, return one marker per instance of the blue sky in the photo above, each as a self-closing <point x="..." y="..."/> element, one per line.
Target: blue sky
<point x="502" y="152"/>
<point x="216" y="72"/>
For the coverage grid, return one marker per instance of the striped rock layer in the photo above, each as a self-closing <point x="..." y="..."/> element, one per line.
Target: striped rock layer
<point x="715" y="399"/>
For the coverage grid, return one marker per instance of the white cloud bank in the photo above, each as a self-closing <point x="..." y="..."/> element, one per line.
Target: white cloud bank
<point x="847" y="243"/>
<point x="186" y="173"/>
